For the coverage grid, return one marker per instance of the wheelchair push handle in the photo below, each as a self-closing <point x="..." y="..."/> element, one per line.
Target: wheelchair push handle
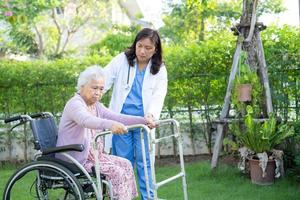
<point x="25" y="118"/>
<point x="11" y="119"/>
<point x="20" y="118"/>
<point x="35" y="115"/>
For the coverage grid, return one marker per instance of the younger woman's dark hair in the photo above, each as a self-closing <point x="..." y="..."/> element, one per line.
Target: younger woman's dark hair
<point x="157" y="56"/>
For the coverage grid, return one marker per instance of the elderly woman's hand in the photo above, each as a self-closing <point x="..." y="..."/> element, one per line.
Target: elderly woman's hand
<point x="118" y="128"/>
<point x="150" y="121"/>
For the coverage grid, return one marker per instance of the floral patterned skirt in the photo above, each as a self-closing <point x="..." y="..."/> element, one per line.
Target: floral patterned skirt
<point x="118" y="171"/>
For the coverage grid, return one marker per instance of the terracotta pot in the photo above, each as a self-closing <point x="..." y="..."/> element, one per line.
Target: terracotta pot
<point x="244" y="92"/>
<point x="256" y="172"/>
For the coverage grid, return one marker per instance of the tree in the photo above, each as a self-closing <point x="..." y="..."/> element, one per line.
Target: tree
<point x="45" y="27"/>
<point x="115" y="41"/>
<point x="190" y="19"/>
<point x="19" y="18"/>
<point x="270" y="6"/>
<point x="193" y="19"/>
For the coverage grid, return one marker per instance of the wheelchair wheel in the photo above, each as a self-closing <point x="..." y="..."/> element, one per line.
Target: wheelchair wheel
<point x="49" y="180"/>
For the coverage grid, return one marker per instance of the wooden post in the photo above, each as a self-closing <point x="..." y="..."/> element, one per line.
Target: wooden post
<point x="225" y="109"/>
<point x="263" y="71"/>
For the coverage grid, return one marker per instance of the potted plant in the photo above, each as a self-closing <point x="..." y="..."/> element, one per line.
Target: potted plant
<point x="259" y="137"/>
<point x="247" y="86"/>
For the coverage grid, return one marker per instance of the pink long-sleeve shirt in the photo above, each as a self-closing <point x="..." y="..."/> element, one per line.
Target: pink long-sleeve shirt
<point x="76" y="120"/>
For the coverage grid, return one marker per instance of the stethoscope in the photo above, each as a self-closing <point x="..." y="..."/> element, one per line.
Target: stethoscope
<point x="128" y="77"/>
<point x="127" y="87"/>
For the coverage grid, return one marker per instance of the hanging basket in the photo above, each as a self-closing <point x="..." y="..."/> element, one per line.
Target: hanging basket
<point x="244" y="92"/>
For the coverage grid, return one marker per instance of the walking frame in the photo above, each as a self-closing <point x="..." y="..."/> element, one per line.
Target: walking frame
<point x="151" y="144"/>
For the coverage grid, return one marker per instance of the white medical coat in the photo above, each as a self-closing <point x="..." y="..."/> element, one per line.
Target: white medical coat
<point x="154" y="87"/>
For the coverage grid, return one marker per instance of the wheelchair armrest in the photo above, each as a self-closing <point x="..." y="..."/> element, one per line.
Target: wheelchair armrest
<point x="72" y="147"/>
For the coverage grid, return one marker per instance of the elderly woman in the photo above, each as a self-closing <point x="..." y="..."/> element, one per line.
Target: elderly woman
<point x="83" y="116"/>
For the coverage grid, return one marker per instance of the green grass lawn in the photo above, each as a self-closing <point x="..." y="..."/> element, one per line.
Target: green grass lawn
<point x="226" y="183"/>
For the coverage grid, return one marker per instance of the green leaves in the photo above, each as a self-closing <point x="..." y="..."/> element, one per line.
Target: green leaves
<point x="45" y="27"/>
<point x="260" y="136"/>
<point x="197" y="72"/>
<point x="115" y="42"/>
<point x="34" y="86"/>
<point x="189" y="21"/>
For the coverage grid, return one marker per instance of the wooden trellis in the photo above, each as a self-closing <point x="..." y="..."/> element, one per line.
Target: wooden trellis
<point x="248" y="31"/>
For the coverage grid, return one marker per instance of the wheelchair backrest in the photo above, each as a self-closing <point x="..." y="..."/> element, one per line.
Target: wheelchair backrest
<point x="44" y="133"/>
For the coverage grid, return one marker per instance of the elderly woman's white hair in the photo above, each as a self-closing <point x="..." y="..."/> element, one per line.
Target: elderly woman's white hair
<point x="93" y="72"/>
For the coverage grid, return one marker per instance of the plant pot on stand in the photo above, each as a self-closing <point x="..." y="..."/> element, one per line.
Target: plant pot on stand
<point x="244" y="92"/>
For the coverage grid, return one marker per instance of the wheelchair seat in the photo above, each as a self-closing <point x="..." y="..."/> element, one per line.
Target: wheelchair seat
<point x="45" y="137"/>
<point x="44" y="132"/>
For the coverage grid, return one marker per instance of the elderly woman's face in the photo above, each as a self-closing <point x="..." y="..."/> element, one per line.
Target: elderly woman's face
<point x="92" y="91"/>
<point x="144" y="50"/>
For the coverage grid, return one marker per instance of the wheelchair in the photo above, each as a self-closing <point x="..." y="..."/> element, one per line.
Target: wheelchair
<point x="50" y="177"/>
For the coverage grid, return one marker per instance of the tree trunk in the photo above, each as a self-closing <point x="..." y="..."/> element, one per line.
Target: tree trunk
<point x="208" y="129"/>
<point x="202" y="27"/>
<point x="158" y="144"/>
<point x="10" y="147"/>
<point x="25" y="134"/>
<point x="173" y="139"/>
<point x="9" y="137"/>
<point x="59" y="30"/>
<point x="25" y="141"/>
<point x="192" y="131"/>
<point x="206" y="136"/>
<point x="65" y="43"/>
<point x="40" y="41"/>
<point x="297" y="96"/>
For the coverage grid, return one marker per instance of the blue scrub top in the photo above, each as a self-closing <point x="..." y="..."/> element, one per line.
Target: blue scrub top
<point x="133" y="104"/>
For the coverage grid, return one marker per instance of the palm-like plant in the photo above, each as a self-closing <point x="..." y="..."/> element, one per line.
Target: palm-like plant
<point x="260" y="136"/>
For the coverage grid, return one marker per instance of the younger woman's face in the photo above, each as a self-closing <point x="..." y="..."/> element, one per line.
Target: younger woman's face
<point x="144" y="50"/>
